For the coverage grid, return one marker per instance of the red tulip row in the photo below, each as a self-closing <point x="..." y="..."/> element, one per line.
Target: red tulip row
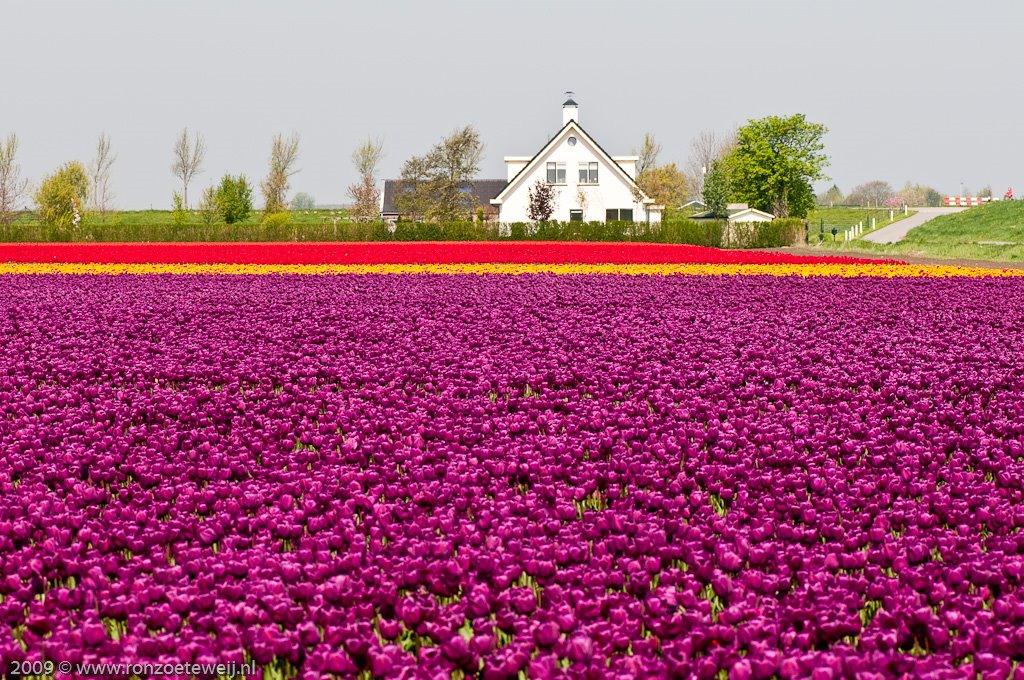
<point x="398" y="253"/>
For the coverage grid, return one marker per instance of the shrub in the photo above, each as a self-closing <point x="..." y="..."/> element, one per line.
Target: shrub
<point x="234" y="198"/>
<point x="278" y="219"/>
<point x="178" y="214"/>
<point x="775" y="234"/>
<point x="208" y="209"/>
<point x="61" y="196"/>
<point x="703" y="233"/>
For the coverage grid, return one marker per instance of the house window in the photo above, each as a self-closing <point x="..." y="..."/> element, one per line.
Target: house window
<point x="588" y="173"/>
<point x="556" y="173"/>
<point x="575" y="215"/>
<point x="619" y="215"/>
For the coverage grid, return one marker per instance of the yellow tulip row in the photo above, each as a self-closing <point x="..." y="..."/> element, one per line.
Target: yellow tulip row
<point x="831" y="270"/>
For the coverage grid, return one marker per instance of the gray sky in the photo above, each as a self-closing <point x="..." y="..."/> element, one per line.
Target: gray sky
<point x="925" y="90"/>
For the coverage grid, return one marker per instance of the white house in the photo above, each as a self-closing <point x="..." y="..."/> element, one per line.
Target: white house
<point x="739" y="213"/>
<point x="591" y="185"/>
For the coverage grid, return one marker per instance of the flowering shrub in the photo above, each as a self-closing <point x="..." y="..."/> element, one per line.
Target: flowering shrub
<point x="660" y="476"/>
<point x="397" y="253"/>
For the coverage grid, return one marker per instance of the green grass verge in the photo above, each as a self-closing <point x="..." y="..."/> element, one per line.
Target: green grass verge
<point x="822" y="220"/>
<point x="990" y="232"/>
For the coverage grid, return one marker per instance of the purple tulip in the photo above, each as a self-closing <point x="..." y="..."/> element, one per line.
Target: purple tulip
<point x="93" y="634"/>
<point x="580" y="648"/>
<point x="546" y="634"/>
<point x="432" y="473"/>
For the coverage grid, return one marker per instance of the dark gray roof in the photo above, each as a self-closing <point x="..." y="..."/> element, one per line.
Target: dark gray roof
<point x="570" y="102"/>
<point x="483" y="190"/>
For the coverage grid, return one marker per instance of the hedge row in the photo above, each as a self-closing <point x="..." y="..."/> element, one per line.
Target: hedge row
<point x="705" y="233"/>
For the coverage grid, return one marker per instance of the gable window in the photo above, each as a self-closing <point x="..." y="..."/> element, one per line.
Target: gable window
<point x="556" y="173"/>
<point x="575" y="215"/>
<point x="588" y="173"/>
<point x="619" y="215"/>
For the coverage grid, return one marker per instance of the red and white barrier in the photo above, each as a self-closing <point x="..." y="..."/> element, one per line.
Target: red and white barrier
<point x="965" y="200"/>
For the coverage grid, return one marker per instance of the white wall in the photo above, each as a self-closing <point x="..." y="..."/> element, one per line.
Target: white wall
<point x="744" y="218"/>
<point x="513" y="164"/>
<point x="612" y="190"/>
<point x="627" y="163"/>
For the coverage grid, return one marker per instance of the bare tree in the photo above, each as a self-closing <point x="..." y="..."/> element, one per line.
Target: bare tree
<point x="364" y="194"/>
<point x="283" y="155"/>
<point x="706" y="148"/>
<point x="12" y="187"/>
<point x="99" y="175"/>
<point x="648" y="153"/>
<point x="368" y="156"/>
<point x="871" y="194"/>
<point x="188" y="160"/>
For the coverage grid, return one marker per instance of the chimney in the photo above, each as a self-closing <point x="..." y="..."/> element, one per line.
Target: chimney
<point x="570" y="110"/>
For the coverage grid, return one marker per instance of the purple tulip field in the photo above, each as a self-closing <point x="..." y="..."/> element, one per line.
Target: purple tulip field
<point x="515" y="476"/>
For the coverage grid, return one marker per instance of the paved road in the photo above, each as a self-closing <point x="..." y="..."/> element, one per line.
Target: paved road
<point x="898" y="230"/>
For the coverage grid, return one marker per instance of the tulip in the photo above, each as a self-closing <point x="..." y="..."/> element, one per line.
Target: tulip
<point x="546" y="634"/>
<point x="93" y="634"/>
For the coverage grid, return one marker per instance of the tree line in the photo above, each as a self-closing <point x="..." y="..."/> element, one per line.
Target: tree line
<point x="880" y="194"/>
<point x="67" y="195"/>
<point x="770" y="164"/>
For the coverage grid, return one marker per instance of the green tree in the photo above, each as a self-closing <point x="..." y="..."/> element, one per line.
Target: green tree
<point x="666" y="184"/>
<point x="234" y="198"/>
<point x="717" y="189"/>
<point x="61" y="196"/>
<point x="831" y="197"/>
<point x="774" y="163"/>
<point x="413" y="198"/>
<point x="438" y="186"/>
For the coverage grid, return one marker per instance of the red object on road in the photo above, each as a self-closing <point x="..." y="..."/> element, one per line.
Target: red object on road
<point x="432" y="252"/>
